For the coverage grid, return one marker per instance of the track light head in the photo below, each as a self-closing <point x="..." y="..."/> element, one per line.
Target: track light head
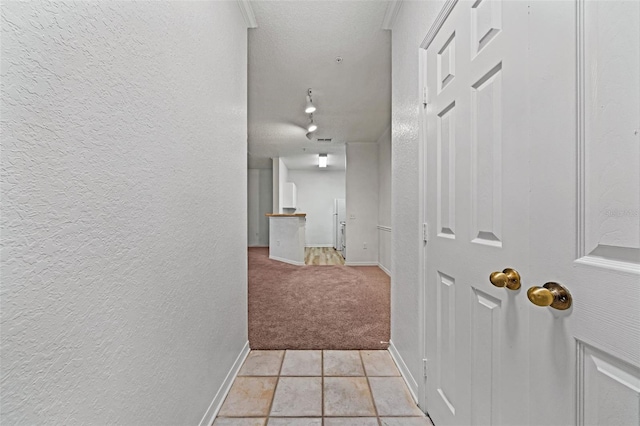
<point x="310" y="106"/>
<point x="312" y="126"/>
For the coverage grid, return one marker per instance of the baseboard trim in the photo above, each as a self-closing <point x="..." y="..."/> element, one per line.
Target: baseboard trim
<point x="216" y="404"/>
<point x="290" y="262"/>
<point x="320" y="245"/>
<point x="361" y="263"/>
<point x="384" y="269"/>
<point x="259" y="246"/>
<point x="404" y="370"/>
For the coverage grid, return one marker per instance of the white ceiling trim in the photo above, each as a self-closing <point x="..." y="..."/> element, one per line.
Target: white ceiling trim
<point x="247" y="13"/>
<point x="442" y="16"/>
<point x="392" y="13"/>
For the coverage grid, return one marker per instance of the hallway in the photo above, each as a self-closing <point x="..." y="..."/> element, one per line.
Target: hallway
<point x="314" y="388"/>
<point x="466" y="138"/>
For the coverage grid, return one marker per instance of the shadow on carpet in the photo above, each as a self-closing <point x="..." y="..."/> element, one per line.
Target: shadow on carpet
<point x="316" y="307"/>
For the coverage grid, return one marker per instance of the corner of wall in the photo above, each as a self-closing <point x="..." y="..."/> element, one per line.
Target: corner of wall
<point x="411" y="382"/>
<point x="225" y="387"/>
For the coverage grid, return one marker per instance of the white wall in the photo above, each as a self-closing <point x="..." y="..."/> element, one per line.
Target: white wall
<point x="316" y="191"/>
<point x="362" y="203"/>
<point x="275" y="173"/>
<point x="259" y="202"/>
<point x="253" y="206"/>
<point x="410" y="28"/>
<point x="280" y="174"/>
<point x="286" y="240"/>
<point x="124" y="272"/>
<point x="384" y="201"/>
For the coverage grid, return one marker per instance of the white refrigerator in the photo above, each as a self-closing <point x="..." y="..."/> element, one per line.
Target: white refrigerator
<point x="339" y="215"/>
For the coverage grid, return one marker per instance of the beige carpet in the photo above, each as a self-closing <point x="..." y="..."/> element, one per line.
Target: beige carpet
<point x="316" y="307"/>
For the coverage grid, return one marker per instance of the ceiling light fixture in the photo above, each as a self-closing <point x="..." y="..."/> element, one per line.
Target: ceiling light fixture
<point x="310" y="106"/>
<point x="322" y="160"/>
<point x="312" y="126"/>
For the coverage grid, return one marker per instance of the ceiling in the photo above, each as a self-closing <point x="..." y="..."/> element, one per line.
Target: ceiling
<point x="294" y="48"/>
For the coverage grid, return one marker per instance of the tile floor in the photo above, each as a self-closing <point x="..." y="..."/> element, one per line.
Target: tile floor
<point x="315" y="388"/>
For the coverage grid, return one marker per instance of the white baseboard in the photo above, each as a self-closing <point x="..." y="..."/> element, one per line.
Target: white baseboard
<point x="347" y="263"/>
<point x="320" y="245"/>
<point x="216" y="404"/>
<point x="404" y="370"/>
<point x="258" y="245"/>
<point x="289" y="261"/>
<point x="384" y="269"/>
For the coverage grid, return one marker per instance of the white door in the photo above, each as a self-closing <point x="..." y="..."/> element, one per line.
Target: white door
<point x="523" y="172"/>
<point x="585" y="200"/>
<point x="478" y="213"/>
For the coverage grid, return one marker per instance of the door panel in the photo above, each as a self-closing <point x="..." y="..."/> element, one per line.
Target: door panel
<point x="446" y="351"/>
<point x="485" y="358"/>
<point x="446" y="172"/>
<point x="609" y="389"/>
<point x="486" y="158"/>
<point x="610" y="229"/>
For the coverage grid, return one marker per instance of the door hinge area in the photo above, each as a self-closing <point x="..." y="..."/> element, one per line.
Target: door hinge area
<point x="425" y="96"/>
<point x="424" y="367"/>
<point x="425" y="232"/>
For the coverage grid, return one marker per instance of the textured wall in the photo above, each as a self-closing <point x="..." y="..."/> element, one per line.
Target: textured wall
<point x="259" y="202"/>
<point x="411" y="26"/>
<point x="123" y="209"/>
<point x="384" y="199"/>
<point x="316" y="191"/>
<point x="362" y="203"/>
<point x="283" y="177"/>
<point x="384" y="178"/>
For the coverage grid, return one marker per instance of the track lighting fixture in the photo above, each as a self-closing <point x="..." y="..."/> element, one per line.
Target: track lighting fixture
<point x="312" y="126"/>
<point x="310" y="106"/>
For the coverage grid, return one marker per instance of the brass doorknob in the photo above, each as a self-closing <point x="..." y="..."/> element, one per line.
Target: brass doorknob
<point x="550" y="294"/>
<point x="509" y="278"/>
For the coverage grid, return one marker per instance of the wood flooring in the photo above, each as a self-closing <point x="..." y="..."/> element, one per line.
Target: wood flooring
<point x="322" y="256"/>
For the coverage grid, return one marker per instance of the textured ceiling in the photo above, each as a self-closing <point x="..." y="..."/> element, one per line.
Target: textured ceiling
<point x="294" y="48"/>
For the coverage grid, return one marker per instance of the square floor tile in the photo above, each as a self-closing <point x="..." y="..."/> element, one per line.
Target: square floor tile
<point x="379" y="363"/>
<point x="342" y="363"/>
<point x="350" y="421"/>
<point x="392" y="397"/>
<point x="296" y="421"/>
<point x="302" y="363"/>
<point x="262" y="363"/>
<point x="298" y="397"/>
<point x="347" y="396"/>
<point x="249" y="397"/>
<point x="406" y="421"/>
<point x="230" y="421"/>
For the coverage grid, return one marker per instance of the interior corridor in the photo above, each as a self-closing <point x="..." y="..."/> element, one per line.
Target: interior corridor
<point x="314" y="388"/>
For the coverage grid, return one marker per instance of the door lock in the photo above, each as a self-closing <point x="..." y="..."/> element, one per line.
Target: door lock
<point x="509" y="278"/>
<point x="550" y="294"/>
